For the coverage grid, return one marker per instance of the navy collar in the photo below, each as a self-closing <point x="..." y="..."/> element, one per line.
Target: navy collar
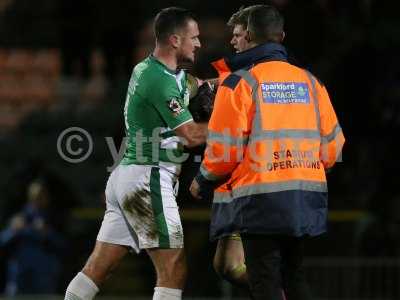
<point x="261" y="53"/>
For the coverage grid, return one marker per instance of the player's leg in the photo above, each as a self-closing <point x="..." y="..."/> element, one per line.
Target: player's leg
<point x="168" y="256"/>
<point x="171" y="269"/>
<point x="103" y="260"/>
<point x="113" y="242"/>
<point x="229" y="261"/>
<point x="151" y="210"/>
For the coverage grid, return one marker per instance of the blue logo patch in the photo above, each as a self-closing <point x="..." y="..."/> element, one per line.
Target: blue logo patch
<point x="285" y="92"/>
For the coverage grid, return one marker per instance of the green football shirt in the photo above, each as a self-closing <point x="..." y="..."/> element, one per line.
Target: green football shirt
<point x="156" y="104"/>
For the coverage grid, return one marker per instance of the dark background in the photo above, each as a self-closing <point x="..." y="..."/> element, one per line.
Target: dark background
<point x="77" y="63"/>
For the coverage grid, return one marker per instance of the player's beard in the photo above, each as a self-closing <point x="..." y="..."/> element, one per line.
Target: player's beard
<point x="184" y="60"/>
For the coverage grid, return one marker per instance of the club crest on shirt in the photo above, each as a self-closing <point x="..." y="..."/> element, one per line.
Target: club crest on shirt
<point x="175" y="106"/>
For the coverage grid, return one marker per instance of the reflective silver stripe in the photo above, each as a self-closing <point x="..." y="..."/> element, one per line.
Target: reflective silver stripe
<point x="316" y="102"/>
<point x="287" y="133"/>
<point x="227" y="139"/>
<point x="331" y="136"/>
<point x="265" y="188"/>
<point x="208" y="175"/>
<point x="338" y="157"/>
<point x="256" y="126"/>
<point x="258" y="133"/>
<point x="251" y="81"/>
<point x="256" y="129"/>
<point x="222" y="197"/>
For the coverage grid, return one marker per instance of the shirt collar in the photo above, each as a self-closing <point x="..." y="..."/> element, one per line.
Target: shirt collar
<point x="172" y="72"/>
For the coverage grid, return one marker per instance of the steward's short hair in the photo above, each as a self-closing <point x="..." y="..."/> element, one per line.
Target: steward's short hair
<point x="169" y="20"/>
<point x="265" y="24"/>
<point x="240" y="17"/>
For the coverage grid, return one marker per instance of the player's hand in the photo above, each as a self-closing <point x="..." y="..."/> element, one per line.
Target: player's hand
<point x="199" y="81"/>
<point x="193" y="84"/>
<point x="201" y="106"/>
<point x="195" y="189"/>
<point x="213" y="82"/>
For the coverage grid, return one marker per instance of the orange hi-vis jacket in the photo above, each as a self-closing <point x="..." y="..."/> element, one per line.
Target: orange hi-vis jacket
<point x="272" y="135"/>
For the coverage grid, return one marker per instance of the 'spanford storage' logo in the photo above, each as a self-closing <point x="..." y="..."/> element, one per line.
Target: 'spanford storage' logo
<point x="285" y="92"/>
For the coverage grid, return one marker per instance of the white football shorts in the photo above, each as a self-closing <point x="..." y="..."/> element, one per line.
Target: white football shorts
<point x="141" y="209"/>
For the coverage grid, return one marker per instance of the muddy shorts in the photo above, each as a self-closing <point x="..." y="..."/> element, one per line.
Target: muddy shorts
<point x="141" y="209"/>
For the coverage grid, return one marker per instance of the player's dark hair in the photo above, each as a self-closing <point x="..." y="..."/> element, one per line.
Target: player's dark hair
<point x="169" y="20"/>
<point x="265" y="24"/>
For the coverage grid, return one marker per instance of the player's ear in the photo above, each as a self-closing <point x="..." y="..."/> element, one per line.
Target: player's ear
<point x="174" y="40"/>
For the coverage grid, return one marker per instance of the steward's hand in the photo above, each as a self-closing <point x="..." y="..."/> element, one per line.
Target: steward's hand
<point x="195" y="189"/>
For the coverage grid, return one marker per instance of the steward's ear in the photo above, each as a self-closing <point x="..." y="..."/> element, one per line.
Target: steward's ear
<point x="283" y="36"/>
<point x="248" y="36"/>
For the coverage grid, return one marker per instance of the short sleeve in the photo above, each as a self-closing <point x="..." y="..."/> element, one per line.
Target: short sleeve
<point x="168" y="101"/>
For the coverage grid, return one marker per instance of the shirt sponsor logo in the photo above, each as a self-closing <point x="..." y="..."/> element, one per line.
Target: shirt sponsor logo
<point x="175" y="106"/>
<point x="285" y="92"/>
